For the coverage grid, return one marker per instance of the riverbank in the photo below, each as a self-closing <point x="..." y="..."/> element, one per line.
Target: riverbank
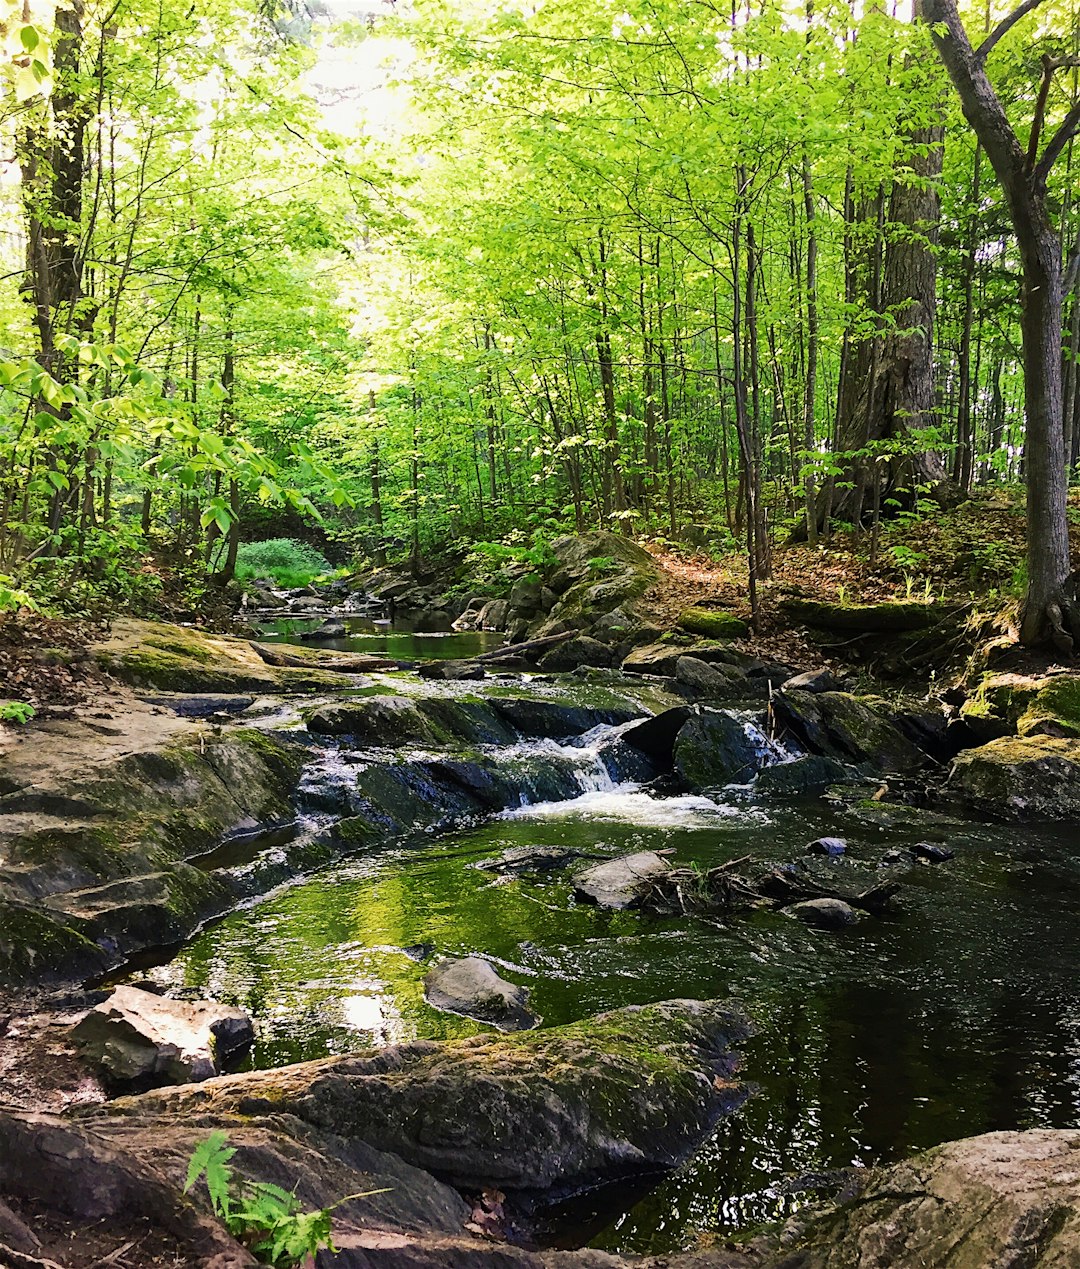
<point x="270" y="774"/>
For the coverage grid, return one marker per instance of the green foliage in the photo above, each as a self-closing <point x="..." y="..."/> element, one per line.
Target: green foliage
<point x="12" y="597"/>
<point x="285" y="560"/>
<point x="264" y="1217"/>
<point x="16" y="712"/>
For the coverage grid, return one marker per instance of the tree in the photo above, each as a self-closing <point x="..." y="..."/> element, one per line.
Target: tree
<point x="1051" y="609"/>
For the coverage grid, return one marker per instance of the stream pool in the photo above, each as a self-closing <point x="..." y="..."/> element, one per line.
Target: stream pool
<point x="958" y="1015"/>
<point x="420" y="639"/>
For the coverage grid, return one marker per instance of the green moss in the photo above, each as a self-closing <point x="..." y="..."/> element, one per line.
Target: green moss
<point x="712" y="623"/>
<point x="889" y="617"/>
<point x="40" y="945"/>
<point x="1031" y="706"/>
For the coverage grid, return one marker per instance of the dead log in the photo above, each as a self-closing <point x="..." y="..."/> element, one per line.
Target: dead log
<point x="525" y="651"/>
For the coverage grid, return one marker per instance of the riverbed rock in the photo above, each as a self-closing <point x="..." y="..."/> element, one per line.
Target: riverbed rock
<point x="170" y="658"/>
<point x="553" y="1111"/>
<point x="98" y="834"/>
<point x="580" y="650"/>
<point x="1020" y="778"/>
<point x="557" y="720"/>
<point x="1000" y="1201"/>
<point x="825" y="914"/>
<point x="713" y="682"/>
<point x="471" y="986"/>
<point x="846" y="727"/>
<point x="812" y="681"/>
<point x="655" y="737"/>
<point x="383" y="721"/>
<point x="136" y="1038"/>
<point x="806" y="776"/>
<point x="714" y="749"/>
<point x="331" y="628"/>
<point x="1029" y="705"/>
<point x="830" y="846"/>
<point x="622" y="882"/>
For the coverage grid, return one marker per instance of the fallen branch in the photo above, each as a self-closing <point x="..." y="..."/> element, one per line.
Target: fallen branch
<point x="524" y="650"/>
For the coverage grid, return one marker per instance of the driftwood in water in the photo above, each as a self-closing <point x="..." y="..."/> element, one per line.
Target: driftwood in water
<point x="359" y="664"/>
<point x="526" y="651"/>
<point x="722" y="889"/>
<point x="793" y="887"/>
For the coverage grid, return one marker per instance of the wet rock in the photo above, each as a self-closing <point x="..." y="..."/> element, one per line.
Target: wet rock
<point x="846" y="727"/>
<point x="526" y="596"/>
<point x="1002" y="1199"/>
<point x="554" y="720"/>
<point x="831" y="846"/>
<point x="453" y="670"/>
<point x="812" y="681"/>
<point x="1015" y="778"/>
<point x="807" y="776"/>
<point x="136" y="1038"/>
<point x="472" y="987"/>
<point x="655" y="737"/>
<point x="493" y="615"/>
<point x="332" y="628"/>
<point x="622" y="882"/>
<point x="553" y="1111"/>
<point x="709" y="681"/>
<point x="713" y="623"/>
<point x="578" y="651"/>
<point x="825" y="914"/>
<point x="374" y="720"/>
<point x="931" y="853"/>
<point x="714" y="749"/>
<point x="203" y="706"/>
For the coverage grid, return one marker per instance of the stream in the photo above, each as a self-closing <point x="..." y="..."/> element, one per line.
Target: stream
<point x="959" y="1014"/>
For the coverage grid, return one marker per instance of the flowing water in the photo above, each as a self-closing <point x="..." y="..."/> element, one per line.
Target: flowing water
<point x="957" y="1015"/>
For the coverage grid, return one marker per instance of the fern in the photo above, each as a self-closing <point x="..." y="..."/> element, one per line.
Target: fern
<point x="267" y="1219"/>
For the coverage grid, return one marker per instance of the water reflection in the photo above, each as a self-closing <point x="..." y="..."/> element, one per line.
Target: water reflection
<point x="421" y="638"/>
<point x="958" y="1016"/>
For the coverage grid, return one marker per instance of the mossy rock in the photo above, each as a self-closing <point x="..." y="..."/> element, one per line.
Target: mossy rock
<point x="170" y="658"/>
<point x="1029" y="705"/>
<point x="714" y="749"/>
<point x="1021" y="778"/>
<point x="712" y="623"/>
<point x="559" y="1110"/>
<point x="847" y="727"/>
<point x="888" y="617"/>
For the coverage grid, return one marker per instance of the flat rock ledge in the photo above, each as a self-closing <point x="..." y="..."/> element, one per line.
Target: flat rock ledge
<point x="554" y="1112"/>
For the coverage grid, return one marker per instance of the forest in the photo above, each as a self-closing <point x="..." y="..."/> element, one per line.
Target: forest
<point x="730" y="278"/>
<point x="539" y="703"/>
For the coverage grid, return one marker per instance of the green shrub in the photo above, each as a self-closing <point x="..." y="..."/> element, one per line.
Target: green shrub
<point x="286" y="561"/>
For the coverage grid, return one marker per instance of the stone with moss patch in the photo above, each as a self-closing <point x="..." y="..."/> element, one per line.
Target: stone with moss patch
<point x="1021" y="778"/>
<point x="555" y="1111"/>
<point x="1047" y="705"/>
<point x="888" y="617"/>
<point x="712" y="623"/>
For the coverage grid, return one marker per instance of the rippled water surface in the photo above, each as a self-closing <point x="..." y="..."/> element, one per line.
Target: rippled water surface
<point x="958" y="1015"/>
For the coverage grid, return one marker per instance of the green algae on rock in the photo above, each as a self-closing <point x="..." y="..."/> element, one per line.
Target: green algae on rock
<point x="1020" y="777"/>
<point x="712" y="623"/>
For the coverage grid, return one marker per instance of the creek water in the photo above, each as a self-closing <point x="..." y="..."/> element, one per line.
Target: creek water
<point x="406" y="639"/>
<point x="958" y="1014"/>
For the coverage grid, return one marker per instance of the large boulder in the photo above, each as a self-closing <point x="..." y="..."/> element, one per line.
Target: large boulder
<point x="655" y="737"/>
<point x="1029" y="705"/>
<point x="580" y="650"/>
<point x="849" y="728"/>
<point x="470" y="986"/>
<point x="715" y="748"/>
<point x="136" y="1039"/>
<point x="595" y="574"/>
<point x="381" y="721"/>
<point x="1020" y="777"/>
<point x="712" y="682"/>
<point x="999" y="1201"/>
<point x="622" y="882"/>
<point x="625" y="1093"/>
<point x="806" y="776"/>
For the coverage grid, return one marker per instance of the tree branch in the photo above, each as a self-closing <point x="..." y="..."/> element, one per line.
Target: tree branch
<point x="1057" y="143"/>
<point x="1005" y="25"/>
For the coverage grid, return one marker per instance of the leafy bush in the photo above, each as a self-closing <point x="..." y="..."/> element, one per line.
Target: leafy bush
<point x="287" y="561"/>
<point x="15" y="712"/>
<point x="265" y="1218"/>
